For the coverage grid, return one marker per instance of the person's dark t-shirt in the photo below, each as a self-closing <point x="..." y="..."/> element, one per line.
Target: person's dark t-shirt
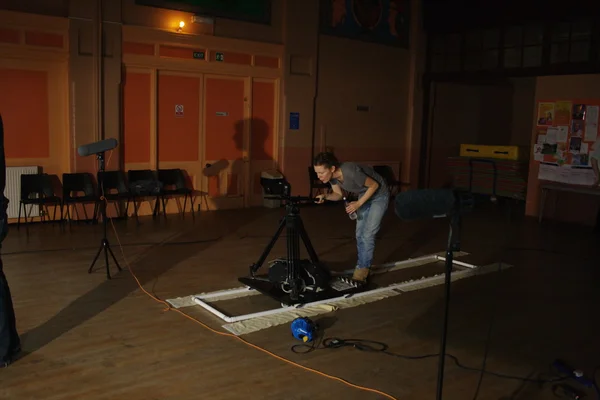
<point x="355" y="175"/>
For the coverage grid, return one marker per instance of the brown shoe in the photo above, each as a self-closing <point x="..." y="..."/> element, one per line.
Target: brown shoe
<point x="360" y="274"/>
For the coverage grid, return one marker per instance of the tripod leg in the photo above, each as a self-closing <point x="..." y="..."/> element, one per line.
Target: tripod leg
<point x="114" y="258"/>
<point x="307" y="243"/>
<point x="105" y="245"/>
<point x="293" y="254"/>
<point x="263" y="257"/>
<point x="95" y="259"/>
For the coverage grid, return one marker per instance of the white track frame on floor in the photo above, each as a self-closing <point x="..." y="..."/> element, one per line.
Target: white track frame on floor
<point x="201" y="300"/>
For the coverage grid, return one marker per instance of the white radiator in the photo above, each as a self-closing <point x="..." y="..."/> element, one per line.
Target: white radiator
<point x="12" y="190"/>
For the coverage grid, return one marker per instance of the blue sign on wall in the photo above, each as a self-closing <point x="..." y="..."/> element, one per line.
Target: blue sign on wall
<point x="294" y="121"/>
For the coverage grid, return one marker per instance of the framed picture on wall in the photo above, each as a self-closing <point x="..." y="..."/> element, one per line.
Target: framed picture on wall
<point x="381" y="21"/>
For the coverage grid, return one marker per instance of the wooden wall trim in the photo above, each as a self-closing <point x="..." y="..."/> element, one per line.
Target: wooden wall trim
<point x="199" y="66"/>
<point x="36" y="33"/>
<point x="26" y="21"/>
<point x="153" y="35"/>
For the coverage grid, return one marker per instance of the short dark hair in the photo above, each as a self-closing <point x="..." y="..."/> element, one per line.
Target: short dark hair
<point x="326" y="159"/>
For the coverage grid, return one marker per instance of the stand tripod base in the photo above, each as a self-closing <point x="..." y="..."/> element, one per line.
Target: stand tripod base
<point x="104" y="245"/>
<point x="337" y="287"/>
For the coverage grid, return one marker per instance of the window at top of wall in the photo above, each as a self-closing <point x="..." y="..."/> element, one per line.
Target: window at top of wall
<point x="533" y="35"/>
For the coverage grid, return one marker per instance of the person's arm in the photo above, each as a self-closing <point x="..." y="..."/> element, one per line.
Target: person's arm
<point x="337" y="194"/>
<point x="372" y="186"/>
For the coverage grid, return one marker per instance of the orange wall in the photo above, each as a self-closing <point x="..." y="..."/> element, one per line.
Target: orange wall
<point x="570" y="207"/>
<point x="136" y="117"/>
<point x="268" y="72"/>
<point x="24" y="103"/>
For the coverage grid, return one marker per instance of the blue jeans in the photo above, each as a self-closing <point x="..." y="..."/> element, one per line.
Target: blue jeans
<point x="367" y="226"/>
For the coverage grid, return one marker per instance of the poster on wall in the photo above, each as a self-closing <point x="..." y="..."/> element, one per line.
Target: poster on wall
<point x="591" y="124"/>
<point x="562" y="112"/>
<point x="384" y="21"/>
<point x="567" y="131"/>
<point x="545" y="115"/>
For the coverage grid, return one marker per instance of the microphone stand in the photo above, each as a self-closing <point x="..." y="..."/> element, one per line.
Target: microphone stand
<point x="104" y="245"/>
<point x="453" y="245"/>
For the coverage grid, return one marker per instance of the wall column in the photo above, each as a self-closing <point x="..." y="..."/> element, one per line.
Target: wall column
<point x="300" y="33"/>
<point x="87" y="123"/>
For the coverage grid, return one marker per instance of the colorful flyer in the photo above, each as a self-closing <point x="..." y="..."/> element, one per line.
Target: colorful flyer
<point x="562" y="114"/>
<point x="545" y="115"/>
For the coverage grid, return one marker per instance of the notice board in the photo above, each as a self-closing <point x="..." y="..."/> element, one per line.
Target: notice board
<point x="566" y="134"/>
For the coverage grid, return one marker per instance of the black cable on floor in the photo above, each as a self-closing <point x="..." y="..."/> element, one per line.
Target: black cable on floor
<point x="372" y="346"/>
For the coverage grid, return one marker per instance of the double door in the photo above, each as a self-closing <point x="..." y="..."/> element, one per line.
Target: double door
<point x="219" y="129"/>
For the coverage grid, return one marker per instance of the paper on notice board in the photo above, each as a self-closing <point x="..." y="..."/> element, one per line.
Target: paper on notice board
<point x="547" y="172"/>
<point x="551" y="135"/>
<point x="581" y="176"/>
<point x="538" y="155"/>
<point x="591" y="124"/>
<point x="541" y="139"/>
<point x="562" y="133"/>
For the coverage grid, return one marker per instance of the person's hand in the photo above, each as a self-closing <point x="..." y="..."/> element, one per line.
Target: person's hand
<point x="352" y="207"/>
<point x="320" y="199"/>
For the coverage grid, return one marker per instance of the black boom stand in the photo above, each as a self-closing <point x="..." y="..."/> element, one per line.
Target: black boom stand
<point x="104" y="245"/>
<point x="453" y="245"/>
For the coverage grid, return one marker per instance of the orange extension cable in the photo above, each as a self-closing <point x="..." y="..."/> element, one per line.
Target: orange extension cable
<point x="170" y="308"/>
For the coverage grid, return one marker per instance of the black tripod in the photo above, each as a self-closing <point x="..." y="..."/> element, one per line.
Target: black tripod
<point x="453" y="245"/>
<point x="295" y="231"/>
<point x="104" y="245"/>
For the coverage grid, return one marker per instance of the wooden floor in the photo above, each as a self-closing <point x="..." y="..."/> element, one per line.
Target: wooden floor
<point x="85" y="337"/>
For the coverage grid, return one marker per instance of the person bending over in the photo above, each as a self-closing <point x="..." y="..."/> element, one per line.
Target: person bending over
<point x="372" y="203"/>
<point x="10" y="345"/>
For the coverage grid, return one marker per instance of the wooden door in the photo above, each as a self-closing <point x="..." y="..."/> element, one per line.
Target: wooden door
<point x="226" y="138"/>
<point x="179" y="124"/>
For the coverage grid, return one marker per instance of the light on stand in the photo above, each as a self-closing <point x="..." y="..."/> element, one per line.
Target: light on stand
<point x="181" y="25"/>
<point x="98" y="149"/>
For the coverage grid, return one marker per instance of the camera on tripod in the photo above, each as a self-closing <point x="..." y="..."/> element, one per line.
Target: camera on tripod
<point x="275" y="187"/>
<point x="290" y="279"/>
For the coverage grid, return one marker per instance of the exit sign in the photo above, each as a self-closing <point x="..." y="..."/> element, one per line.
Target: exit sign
<point x="199" y="55"/>
<point x="219" y="56"/>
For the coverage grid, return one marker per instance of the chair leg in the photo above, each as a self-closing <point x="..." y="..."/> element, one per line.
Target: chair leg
<point x="76" y="212"/>
<point x="85" y="212"/>
<point x="164" y="205"/>
<point x="19" y="217"/>
<point x="191" y="203"/>
<point x="68" y="206"/>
